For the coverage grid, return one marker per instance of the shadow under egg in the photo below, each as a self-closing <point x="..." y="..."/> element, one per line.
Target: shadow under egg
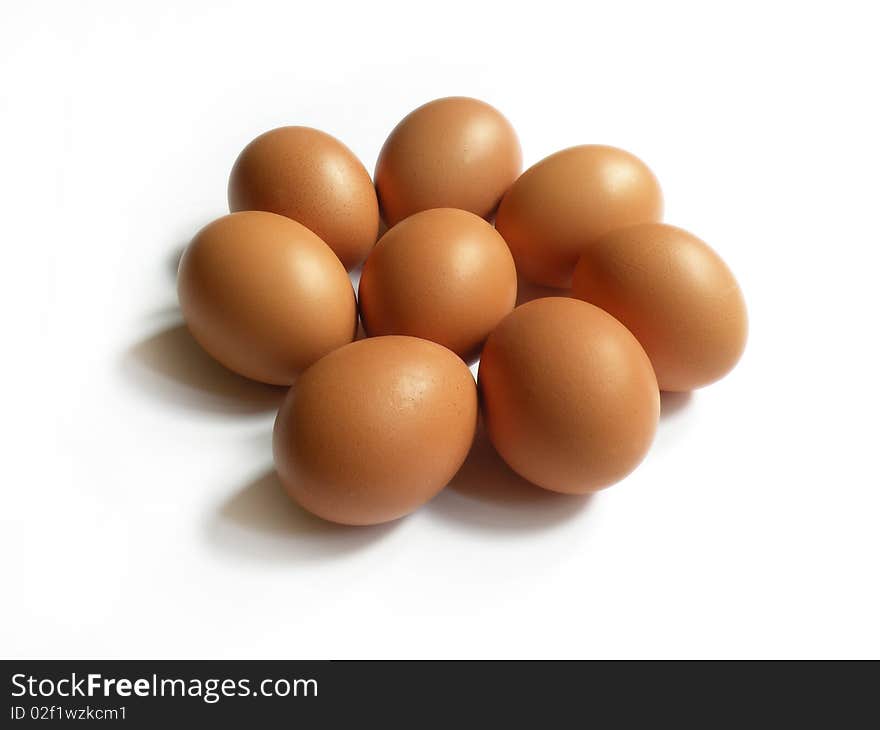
<point x="672" y="403"/>
<point x="261" y="522"/>
<point x="172" y="366"/>
<point x="487" y="494"/>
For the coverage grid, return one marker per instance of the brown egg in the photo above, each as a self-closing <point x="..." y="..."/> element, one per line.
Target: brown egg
<point x="309" y="176"/>
<point x="444" y="275"/>
<point x="450" y="153"/>
<point x="375" y="429"/>
<point x="675" y="294"/>
<point x="569" y="397"/>
<point x="265" y="296"/>
<point x="559" y="206"/>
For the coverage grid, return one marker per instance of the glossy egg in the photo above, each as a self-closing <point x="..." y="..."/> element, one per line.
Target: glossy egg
<point x="265" y="296"/>
<point x="569" y="397"/>
<point x="559" y="206"/>
<point x="675" y="294"/>
<point x="442" y="274"/>
<point x="375" y="429"/>
<point x="455" y="152"/>
<point x="307" y="175"/>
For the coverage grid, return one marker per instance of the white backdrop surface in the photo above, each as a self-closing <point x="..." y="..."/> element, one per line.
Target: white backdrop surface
<point x="139" y="515"/>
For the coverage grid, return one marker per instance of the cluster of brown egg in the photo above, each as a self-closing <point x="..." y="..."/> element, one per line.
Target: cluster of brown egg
<point x="569" y="383"/>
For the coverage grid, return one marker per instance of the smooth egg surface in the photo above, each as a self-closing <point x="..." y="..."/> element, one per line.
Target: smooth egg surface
<point x="313" y="178"/>
<point x="568" y="395"/>
<point x="455" y="152"/>
<point x="444" y="274"/>
<point x="375" y="429"/>
<point x="265" y="296"/>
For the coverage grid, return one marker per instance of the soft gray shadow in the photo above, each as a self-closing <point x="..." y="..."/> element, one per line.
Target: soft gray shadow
<point x="261" y="522"/>
<point x="526" y="291"/>
<point x="672" y="403"/>
<point x="487" y="494"/>
<point x="173" y="367"/>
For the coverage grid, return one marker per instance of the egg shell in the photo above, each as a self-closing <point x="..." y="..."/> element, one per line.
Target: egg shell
<point x="560" y="205"/>
<point x="455" y="152"/>
<point x="375" y="429"/>
<point x="675" y="294"/>
<point x="265" y="296"/>
<point x="568" y="395"/>
<point x="312" y="177"/>
<point x="444" y="274"/>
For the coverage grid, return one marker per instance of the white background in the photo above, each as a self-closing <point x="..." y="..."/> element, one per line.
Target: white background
<point x="139" y="514"/>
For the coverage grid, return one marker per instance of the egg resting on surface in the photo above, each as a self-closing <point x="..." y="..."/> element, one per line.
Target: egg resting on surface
<point x="568" y="395"/>
<point x="675" y="294"/>
<point x="312" y="177"/>
<point x="443" y="274"/>
<point x="265" y="296"/>
<point x="375" y="429"/>
<point x="454" y="152"/>
<point x="560" y="205"/>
